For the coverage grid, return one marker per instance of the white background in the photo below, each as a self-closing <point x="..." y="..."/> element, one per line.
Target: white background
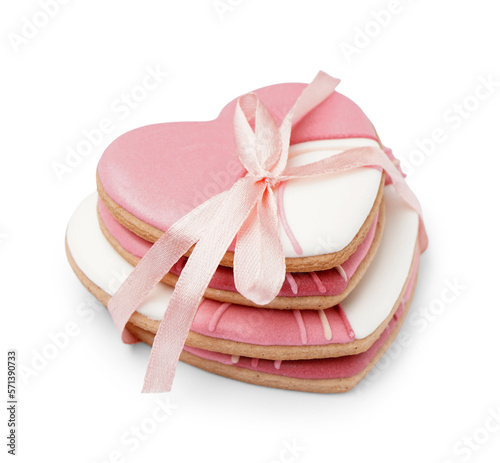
<point x="425" y="398"/>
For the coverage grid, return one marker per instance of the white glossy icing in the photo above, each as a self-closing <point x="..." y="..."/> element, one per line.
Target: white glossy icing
<point x="373" y="298"/>
<point x="365" y="308"/>
<point x="325" y="213"/>
<point x="97" y="259"/>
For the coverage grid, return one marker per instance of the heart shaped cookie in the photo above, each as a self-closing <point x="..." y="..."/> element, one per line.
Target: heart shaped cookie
<point x="152" y="176"/>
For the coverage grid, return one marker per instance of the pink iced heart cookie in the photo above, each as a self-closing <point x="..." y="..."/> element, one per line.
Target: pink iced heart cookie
<point x="152" y="176"/>
<point x="287" y="200"/>
<point x="338" y="374"/>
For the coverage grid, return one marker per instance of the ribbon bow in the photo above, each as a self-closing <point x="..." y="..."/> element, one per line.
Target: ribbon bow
<point x="247" y="211"/>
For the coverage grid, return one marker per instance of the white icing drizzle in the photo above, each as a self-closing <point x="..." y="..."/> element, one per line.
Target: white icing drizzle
<point x="212" y="324"/>
<point x="341" y="271"/>
<point x="277" y="364"/>
<point x="292" y="282"/>
<point x="235" y="358"/>
<point x="301" y="325"/>
<point x="327" y="329"/>
<point x="317" y="281"/>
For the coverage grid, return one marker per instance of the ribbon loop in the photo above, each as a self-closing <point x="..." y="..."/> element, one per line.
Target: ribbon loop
<point x="258" y="148"/>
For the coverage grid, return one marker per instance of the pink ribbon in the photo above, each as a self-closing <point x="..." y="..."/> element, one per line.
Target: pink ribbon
<point x="248" y="210"/>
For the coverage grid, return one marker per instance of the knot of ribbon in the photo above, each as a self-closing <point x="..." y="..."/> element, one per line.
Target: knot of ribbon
<point x="247" y="211"/>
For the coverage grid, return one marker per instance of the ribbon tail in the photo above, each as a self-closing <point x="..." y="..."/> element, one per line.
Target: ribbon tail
<point x="363" y="157"/>
<point x="259" y="254"/>
<point x="167" y="250"/>
<point x="193" y="281"/>
<point x="322" y="86"/>
<point x="407" y="195"/>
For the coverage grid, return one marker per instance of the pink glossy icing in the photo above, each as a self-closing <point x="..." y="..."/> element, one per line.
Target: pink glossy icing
<point x="160" y="172"/>
<point x="330" y="368"/>
<point x="338" y="367"/>
<point x="324" y="283"/>
<point x="268" y="327"/>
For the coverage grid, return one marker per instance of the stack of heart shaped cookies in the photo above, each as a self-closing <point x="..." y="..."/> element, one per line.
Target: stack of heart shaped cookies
<point x="351" y="246"/>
